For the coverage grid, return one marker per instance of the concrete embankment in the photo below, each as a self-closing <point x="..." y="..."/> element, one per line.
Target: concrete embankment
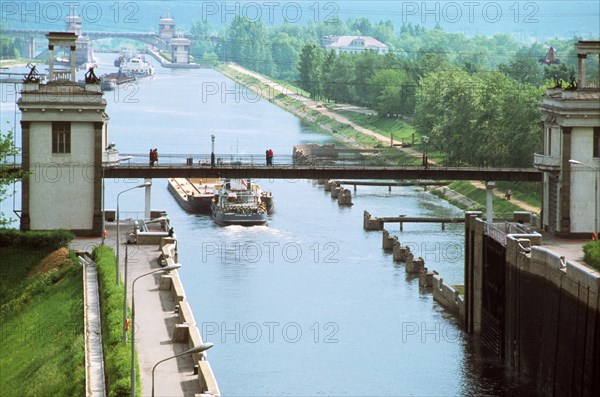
<point x="185" y="330"/>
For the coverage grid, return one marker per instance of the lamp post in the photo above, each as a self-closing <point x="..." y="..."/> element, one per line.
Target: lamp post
<point x="118" y="223"/>
<point x="164" y="269"/>
<point x="425" y="140"/>
<point x="212" y="151"/>
<point x="597" y="171"/>
<point x="125" y="272"/>
<point x="200" y="348"/>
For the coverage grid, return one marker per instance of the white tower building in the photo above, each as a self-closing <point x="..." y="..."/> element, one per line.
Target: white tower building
<point x="571" y="152"/>
<point x="64" y="140"/>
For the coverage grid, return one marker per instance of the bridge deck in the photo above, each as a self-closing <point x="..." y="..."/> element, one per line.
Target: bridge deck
<point x="323" y="172"/>
<point x="253" y="166"/>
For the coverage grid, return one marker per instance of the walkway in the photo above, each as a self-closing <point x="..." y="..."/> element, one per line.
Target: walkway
<point x="155" y="320"/>
<point x="94" y="352"/>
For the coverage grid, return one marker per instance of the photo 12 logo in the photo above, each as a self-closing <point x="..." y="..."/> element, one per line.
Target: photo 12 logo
<point x="90" y="12"/>
<point x="271" y="251"/>
<point x="271" y="11"/>
<point x="270" y="332"/>
<point x="469" y="12"/>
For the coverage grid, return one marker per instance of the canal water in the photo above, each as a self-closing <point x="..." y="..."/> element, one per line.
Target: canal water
<point x="310" y="304"/>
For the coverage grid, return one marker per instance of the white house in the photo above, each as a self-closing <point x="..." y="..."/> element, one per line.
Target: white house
<point x="571" y="153"/>
<point x="353" y="44"/>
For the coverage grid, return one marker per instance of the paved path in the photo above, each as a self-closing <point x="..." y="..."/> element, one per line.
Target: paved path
<point x="155" y="320"/>
<point x="94" y="352"/>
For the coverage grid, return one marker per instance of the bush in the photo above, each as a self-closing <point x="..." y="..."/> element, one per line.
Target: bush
<point x="51" y="240"/>
<point x="117" y="354"/>
<point x="591" y="254"/>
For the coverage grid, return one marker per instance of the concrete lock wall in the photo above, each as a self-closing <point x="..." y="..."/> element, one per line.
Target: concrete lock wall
<point x="186" y="331"/>
<point x="551" y="316"/>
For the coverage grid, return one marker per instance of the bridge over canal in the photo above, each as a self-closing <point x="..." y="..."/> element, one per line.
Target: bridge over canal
<point x="253" y="166"/>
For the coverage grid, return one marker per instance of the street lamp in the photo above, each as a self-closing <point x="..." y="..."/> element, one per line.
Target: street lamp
<point x="212" y="151"/>
<point x="597" y="170"/>
<point x="125" y="272"/>
<point x="425" y="140"/>
<point x="200" y="348"/>
<point x="118" y="224"/>
<point x="164" y="269"/>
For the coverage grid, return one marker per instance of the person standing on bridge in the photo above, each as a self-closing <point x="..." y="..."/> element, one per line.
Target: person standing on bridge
<point x="270" y="157"/>
<point x="151" y="157"/>
<point x="267" y="157"/>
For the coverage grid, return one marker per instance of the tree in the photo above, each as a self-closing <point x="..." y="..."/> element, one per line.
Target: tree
<point x="246" y="43"/>
<point x="309" y="69"/>
<point x="203" y="42"/>
<point x="341" y="79"/>
<point x="388" y="85"/>
<point x="524" y="68"/>
<point x="486" y="119"/>
<point x="285" y="55"/>
<point x="7" y="175"/>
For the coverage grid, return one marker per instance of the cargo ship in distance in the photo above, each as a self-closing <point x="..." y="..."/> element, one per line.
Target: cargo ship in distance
<point x="195" y="195"/>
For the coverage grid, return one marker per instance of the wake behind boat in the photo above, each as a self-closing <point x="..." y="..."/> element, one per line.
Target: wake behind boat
<point x="238" y="202"/>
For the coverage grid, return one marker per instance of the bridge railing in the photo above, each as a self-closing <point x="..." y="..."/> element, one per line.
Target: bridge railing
<point x="250" y="160"/>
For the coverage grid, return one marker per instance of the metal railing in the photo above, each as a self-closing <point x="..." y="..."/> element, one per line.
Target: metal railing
<point x="499" y="231"/>
<point x="258" y="160"/>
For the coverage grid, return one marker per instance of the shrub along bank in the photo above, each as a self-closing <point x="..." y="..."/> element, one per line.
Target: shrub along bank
<point x="117" y="355"/>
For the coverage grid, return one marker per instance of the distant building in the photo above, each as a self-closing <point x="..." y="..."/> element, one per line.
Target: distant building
<point x="353" y="44"/>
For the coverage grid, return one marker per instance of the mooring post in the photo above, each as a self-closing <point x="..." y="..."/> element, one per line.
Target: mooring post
<point x="443" y="226"/>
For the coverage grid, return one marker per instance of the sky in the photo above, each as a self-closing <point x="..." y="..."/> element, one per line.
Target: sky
<point x="522" y="19"/>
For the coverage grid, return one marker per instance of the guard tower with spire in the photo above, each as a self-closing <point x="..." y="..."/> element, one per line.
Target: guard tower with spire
<point x="571" y="150"/>
<point x="64" y="139"/>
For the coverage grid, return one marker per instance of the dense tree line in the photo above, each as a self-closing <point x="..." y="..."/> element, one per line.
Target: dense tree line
<point x="477" y="97"/>
<point x="481" y="119"/>
<point x="9" y="46"/>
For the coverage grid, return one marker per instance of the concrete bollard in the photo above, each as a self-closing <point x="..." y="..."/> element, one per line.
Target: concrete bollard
<point x="328" y="185"/>
<point x="371" y="223"/>
<point x="388" y="242"/>
<point x="415" y="265"/>
<point x="335" y="191"/>
<point x="396" y="250"/>
<point x="166" y="282"/>
<point x="345" y="197"/>
<point x="320" y="181"/>
<point x="425" y="278"/>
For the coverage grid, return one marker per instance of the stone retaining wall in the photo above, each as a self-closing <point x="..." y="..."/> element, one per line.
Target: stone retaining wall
<point x="186" y="331"/>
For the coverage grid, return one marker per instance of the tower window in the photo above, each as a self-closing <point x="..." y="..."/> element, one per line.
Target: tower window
<point x="597" y="142"/>
<point x="61" y="137"/>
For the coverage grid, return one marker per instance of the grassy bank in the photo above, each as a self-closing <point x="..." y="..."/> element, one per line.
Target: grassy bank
<point x="117" y="355"/>
<point x="41" y="316"/>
